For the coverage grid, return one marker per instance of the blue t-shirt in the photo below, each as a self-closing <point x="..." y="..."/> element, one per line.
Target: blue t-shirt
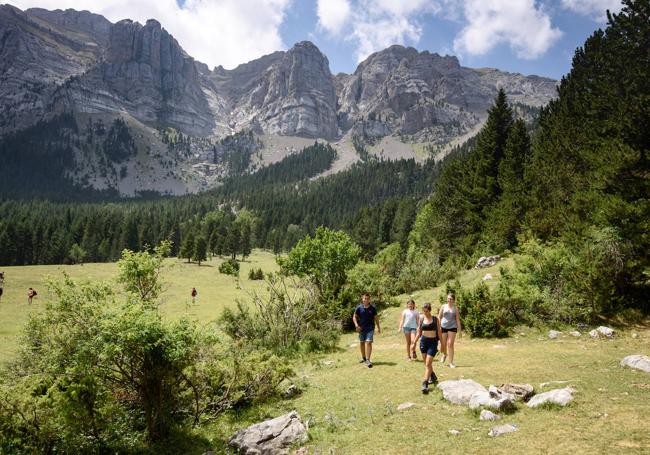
<point x="366" y="317"/>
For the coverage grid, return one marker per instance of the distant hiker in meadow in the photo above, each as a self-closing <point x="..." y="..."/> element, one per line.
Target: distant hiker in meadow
<point x="365" y="318"/>
<point x="408" y="323"/>
<point x="450" y="325"/>
<point x="194" y="294"/>
<point x="2" y="282"/>
<point x="428" y="334"/>
<point x="31" y="293"/>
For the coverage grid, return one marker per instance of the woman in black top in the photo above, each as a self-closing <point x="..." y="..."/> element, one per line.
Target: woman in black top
<point x="429" y="334"/>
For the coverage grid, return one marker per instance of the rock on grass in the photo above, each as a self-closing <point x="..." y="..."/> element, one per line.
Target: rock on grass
<point x="502" y="429"/>
<point x="639" y="362"/>
<point x="560" y="397"/>
<point x="460" y="391"/>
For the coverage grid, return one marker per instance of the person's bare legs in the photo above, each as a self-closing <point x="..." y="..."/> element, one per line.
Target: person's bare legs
<point x="443" y="347"/>
<point x="362" y="346"/>
<point x="450" y="346"/>
<point x="428" y="359"/>
<point x="407" y="337"/>
<point x="368" y="349"/>
<point x="413" y="347"/>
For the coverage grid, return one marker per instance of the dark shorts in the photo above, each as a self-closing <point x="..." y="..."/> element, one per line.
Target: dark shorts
<point x="429" y="346"/>
<point x="366" y="335"/>
<point x="455" y="330"/>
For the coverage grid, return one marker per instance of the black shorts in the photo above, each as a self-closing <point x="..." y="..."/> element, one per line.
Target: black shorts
<point x="429" y="346"/>
<point x="455" y="330"/>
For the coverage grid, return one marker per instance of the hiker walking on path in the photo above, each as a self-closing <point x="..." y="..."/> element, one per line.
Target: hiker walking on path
<point x="450" y="325"/>
<point x="429" y="334"/>
<point x="365" y="318"/>
<point x="2" y="283"/>
<point x="31" y="293"/>
<point x="408" y="324"/>
<point x="194" y="293"/>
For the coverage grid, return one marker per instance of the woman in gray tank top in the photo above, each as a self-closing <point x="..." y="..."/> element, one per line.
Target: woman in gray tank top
<point x="450" y="326"/>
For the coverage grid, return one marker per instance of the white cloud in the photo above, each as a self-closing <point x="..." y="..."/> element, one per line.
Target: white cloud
<point x="524" y="27"/>
<point x="593" y="8"/>
<point x="216" y="32"/>
<point x="375" y="24"/>
<point x="333" y="14"/>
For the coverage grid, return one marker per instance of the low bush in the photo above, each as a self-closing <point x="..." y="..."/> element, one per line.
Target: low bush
<point x="255" y="274"/>
<point x="481" y="314"/>
<point x="229" y="267"/>
<point x="286" y="322"/>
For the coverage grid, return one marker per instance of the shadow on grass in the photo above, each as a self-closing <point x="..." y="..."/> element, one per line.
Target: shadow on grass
<point x="380" y="363"/>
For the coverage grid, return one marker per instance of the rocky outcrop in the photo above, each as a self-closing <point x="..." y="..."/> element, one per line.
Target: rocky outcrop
<point x="288" y="93"/>
<point x="36" y="56"/>
<point x="270" y="437"/>
<point x="425" y="96"/>
<point x="148" y="74"/>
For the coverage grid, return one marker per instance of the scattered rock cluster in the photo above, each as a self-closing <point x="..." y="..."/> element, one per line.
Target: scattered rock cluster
<point x="487" y="261"/>
<point x="502" y="398"/>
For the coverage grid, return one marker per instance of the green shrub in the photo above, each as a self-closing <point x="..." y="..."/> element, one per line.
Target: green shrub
<point x="229" y="267"/>
<point x="255" y="274"/>
<point x="103" y="372"/>
<point x="565" y="282"/>
<point x="423" y="270"/>
<point x="284" y="322"/>
<point x="481" y="314"/>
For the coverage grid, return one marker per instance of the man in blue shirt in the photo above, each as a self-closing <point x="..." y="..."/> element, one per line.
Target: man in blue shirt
<point x="365" y="318"/>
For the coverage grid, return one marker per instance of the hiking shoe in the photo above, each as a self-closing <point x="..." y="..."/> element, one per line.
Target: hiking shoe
<point x="369" y="363"/>
<point x="363" y="360"/>
<point x="451" y="365"/>
<point x="425" y="387"/>
<point x="433" y="379"/>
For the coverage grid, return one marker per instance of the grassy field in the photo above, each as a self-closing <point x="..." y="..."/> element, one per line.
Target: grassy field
<point x="215" y="290"/>
<point x="352" y="409"/>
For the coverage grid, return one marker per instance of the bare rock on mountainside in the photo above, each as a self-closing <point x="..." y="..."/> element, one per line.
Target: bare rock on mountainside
<point x="271" y="437"/>
<point x="79" y="63"/>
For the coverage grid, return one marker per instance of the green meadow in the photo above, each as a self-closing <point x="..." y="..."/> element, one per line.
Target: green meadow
<point x="351" y="409"/>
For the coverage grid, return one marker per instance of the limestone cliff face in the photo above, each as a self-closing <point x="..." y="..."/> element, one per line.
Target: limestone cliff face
<point x="36" y="56"/>
<point x="288" y="93"/>
<point x="70" y="61"/>
<point x="146" y="73"/>
<point x="426" y="96"/>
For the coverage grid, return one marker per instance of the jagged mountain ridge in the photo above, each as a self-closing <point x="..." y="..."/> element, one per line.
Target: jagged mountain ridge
<point x="99" y="67"/>
<point x="76" y="62"/>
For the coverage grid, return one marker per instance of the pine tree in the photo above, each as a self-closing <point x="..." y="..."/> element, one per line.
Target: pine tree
<point x="200" y="249"/>
<point x="187" y="246"/>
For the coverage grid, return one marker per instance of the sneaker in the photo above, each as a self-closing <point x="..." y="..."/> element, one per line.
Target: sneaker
<point x="451" y="365"/>
<point x="363" y="360"/>
<point x="433" y="379"/>
<point x="425" y="387"/>
<point x="369" y="363"/>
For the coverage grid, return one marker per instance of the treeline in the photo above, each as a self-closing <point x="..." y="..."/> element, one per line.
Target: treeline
<point x="573" y="199"/>
<point x="286" y="207"/>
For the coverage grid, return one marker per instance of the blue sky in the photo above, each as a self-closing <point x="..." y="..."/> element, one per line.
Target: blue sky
<point x="526" y="36"/>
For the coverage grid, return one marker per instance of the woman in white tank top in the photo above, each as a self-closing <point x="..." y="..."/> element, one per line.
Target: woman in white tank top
<point x="450" y="327"/>
<point x="408" y="324"/>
